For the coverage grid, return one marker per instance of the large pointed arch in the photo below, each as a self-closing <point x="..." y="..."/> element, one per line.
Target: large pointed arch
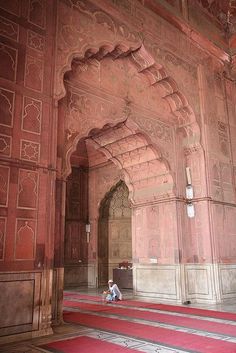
<point x="156" y="74"/>
<point x="183" y="116"/>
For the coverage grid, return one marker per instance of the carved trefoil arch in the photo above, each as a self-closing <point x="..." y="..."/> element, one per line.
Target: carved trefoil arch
<point x="80" y="106"/>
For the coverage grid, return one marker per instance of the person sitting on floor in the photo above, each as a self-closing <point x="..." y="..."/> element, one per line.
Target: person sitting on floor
<point x="114" y="294"/>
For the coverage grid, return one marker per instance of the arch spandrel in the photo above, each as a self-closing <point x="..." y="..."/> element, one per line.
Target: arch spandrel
<point x="158" y="78"/>
<point x="83" y="114"/>
<point x="83" y="31"/>
<point x="86" y="31"/>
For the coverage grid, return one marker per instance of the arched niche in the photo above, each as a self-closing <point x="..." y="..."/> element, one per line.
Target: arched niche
<point x="114" y="231"/>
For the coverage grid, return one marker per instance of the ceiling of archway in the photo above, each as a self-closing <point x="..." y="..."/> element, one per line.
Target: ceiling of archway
<point x="146" y="174"/>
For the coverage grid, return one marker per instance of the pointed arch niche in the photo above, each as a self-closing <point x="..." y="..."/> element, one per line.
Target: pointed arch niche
<point x="114" y="232"/>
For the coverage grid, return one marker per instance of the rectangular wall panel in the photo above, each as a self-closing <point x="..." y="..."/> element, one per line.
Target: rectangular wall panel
<point x="199" y="282"/>
<point x="227" y="278"/>
<point x="157" y="281"/>
<point x="19" y="298"/>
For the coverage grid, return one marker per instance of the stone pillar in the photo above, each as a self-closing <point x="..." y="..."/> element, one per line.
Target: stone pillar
<point x="45" y="321"/>
<point x="208" y="255"/>
<point x="156" y="250"/>
<point x="58" y="270"/>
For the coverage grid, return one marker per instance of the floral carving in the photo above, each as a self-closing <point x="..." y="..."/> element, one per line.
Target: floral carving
<point x="155" y="128"/>
<point x="223" y="138"/>
<point x="33" y="73"/>
<point x="7" y="100"/>
<point x="35" y="41"/>
<point x="32" y="115"/>
<point x="27" y="189"/>
<point x="89" y="25"/>
<point x="5" y="145"/>
<point x="9" y="29"/>
<point x="8" y="59"/>
<point x="82" y="106"/>
<point x="30" y="151"/>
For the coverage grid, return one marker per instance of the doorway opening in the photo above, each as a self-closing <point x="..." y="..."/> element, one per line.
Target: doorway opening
<point x="114" y="235"/>
<point x="111" y="168"/>
<point x="76" y="216"/>
<point x="95" y="195"/>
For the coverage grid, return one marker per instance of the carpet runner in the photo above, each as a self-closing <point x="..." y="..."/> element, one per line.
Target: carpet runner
<point x="84" y="344"/>
<point x="197" y="324"/>
<point x="165" y="307"/>
<point x="174" y="339"/>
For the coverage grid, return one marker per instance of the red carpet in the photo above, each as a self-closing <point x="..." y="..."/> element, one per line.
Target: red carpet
<point x="167" y="337"/>
<point x="165" y="307"/>
<point x="197" y="324"/>
<point x="86" y="344"/>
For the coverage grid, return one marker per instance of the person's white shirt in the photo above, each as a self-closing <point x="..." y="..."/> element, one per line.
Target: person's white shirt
<point x="116" y="293"/>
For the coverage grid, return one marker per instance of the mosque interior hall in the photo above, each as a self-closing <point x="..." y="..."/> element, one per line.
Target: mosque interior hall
<point x="117" y="165"/>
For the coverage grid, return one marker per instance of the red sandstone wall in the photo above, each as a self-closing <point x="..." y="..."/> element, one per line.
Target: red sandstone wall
<point x="27" y="158"/>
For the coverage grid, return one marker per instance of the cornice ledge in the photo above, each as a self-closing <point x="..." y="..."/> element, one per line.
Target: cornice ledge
<point x="157" y="9"/>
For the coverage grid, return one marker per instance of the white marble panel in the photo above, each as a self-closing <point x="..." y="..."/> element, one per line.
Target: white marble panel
<point x="157" y="281"/>
<point x="199" y="282"/>
<point x="227" y="277"/>
<point x="92" y="281"/>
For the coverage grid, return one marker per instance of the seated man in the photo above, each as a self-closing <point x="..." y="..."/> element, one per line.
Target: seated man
<point x="114" y="292"/>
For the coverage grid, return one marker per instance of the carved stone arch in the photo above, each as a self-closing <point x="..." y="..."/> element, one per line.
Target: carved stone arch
<point x="142" y="164"/>
<point x="154" y="144"/>
<point x="114" y="236"/>
<point x="146" y="65"/>
<point x="107" y="196"/>
<point x="90" y="32"/>
<point x="71" y="144"/>
<point x="183" y="116"/>
<point x="157" y="75"/>
<point x="134" y="153"/>
<point x="98" y="51"/>
<point x="109" y="188"/>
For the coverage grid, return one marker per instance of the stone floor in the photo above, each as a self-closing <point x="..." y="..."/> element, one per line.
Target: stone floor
<point x="70" y="331"/>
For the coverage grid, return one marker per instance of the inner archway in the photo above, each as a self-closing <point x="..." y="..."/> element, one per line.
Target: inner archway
<point x="141" y="126"/>
<point x="111" y="169"/>
<point x="114" y="232"/>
